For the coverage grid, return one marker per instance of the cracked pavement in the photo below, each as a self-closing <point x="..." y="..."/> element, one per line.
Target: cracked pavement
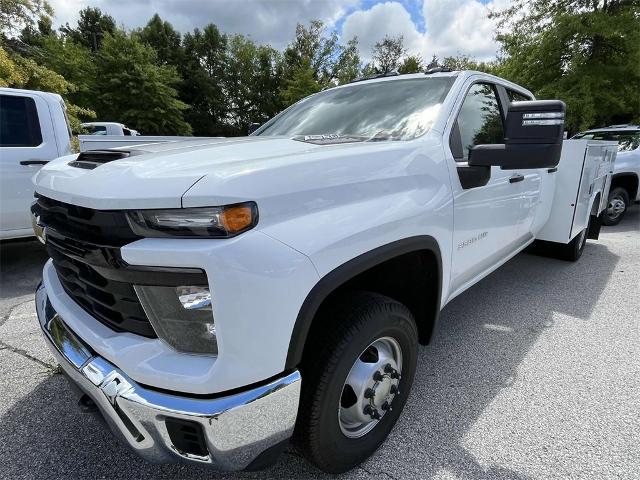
<point x="534" y="373"/>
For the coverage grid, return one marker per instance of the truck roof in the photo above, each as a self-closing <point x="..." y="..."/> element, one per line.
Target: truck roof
<point x="461" y="74"/>
<point x="102" y="124"/>
<point x="618" y="128"/>
<point x="18" y="91"/>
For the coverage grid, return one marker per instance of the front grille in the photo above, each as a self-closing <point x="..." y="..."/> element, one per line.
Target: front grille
<point x="85" y="247"/>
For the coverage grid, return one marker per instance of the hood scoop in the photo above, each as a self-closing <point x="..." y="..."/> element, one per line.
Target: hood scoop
<point x="94" y="158"/>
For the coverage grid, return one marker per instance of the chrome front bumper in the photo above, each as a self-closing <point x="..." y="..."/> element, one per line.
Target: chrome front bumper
<point x="235" y="429"/>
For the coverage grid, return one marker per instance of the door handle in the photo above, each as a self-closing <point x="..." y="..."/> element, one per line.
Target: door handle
<point x="34" y="162"/>
<point x="516" y="178"/>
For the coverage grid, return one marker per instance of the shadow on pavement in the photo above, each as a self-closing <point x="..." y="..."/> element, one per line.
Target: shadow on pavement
<point x="482" y="338"/>
<point x="21" y="263"/>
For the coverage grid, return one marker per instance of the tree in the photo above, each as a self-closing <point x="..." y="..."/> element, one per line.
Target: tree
<point x="301" y="84"/>
<point x="135" y="90"/>
<point x="93" y="26"/>
<point x="17" y="71"/>
<point x="581" y="51"/>
<point x="347" y="68"/>
<point x="387" y="53"/>
<point x="203" y="71"/>
<point x="75" y="63"/>
<point x="34" y="35"/>
<point x="311" y="48"/>
<point x="164" y="39"/>
<point x="18" y="14"/>
<point x="411" y="64"/>
<point x="266" y="83"/>
<point x="465" y="62"/>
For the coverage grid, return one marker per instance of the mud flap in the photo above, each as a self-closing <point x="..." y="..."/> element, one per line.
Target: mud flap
<point x="595" y="223"/>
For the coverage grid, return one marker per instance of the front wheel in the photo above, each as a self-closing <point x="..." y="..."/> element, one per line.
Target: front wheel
<point x="616" y="206"/>
<point x="355" y="380"/>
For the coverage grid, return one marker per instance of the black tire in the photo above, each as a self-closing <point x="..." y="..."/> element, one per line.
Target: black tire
<point x="617" y="205"/>
<point x="348" y="327"/>
<point x="572" y="251"/>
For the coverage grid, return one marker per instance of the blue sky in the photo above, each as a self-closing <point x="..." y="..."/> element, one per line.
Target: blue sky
<point x="441" y="27"/>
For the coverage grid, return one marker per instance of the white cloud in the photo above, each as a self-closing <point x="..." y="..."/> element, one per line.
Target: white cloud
<point x="265" y="21"/>
<point x="451" y="27"/>
<point x="447" y="27"/>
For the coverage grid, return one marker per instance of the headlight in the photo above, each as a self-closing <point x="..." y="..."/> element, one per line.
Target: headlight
<point x="226" y="221"/>
<point x="181" y="316"/>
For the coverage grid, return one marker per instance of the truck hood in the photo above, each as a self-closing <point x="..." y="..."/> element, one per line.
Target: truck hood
<point x="284" y="176"/>
<point x="158" y="175"/>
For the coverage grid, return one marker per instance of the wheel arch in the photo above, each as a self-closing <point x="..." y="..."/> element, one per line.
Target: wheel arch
<point x="372" y="266"/>
<point x="627" y="180"/>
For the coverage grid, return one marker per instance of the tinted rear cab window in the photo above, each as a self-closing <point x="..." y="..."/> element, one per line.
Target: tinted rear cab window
<point x="19" y="123"/>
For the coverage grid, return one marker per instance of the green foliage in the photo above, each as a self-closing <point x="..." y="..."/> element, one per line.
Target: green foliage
<point x="93" y="26"/>
<point x="411" y="64"/>
<point x="312" y="49"/>
<point x="17" y="71"/>
<point x="465" y="62"/>
<point x="75" y="63"/>
<point x="135" y="90"/>
<point x="164" y="39"/>
<point x="387" y="54"/>
<point x="254" y="74"/>
<point x="347" y="68"/>
<point x="301" y="84"/>
<point x="18" y="14"/>
<point x="586" y="53"/>
<point x="203" y="72"/>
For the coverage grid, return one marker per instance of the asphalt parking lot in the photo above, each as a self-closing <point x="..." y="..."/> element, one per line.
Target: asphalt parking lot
<point x="534" y="373"/>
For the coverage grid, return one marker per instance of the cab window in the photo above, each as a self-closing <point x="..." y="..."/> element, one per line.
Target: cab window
<point x="480" y="119"/>
<point x="97" y="130"/>
<point x="19" y="123"/>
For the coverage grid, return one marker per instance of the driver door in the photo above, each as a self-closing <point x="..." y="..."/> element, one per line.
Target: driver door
<point x="488" y="218"/>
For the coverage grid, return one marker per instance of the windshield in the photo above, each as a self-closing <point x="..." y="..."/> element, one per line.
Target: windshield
<point x="627" y="140"/>
<point x="387" y="110"/>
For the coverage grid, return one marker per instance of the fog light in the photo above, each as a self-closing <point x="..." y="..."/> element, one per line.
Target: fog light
<point x="181" y="316"/>
<point x="194" y="298"/>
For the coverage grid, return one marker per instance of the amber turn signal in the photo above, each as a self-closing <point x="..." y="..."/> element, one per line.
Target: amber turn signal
<point x="237" y="218"/>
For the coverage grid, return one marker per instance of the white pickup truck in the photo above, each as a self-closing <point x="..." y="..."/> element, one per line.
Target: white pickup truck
<point x="626" y="174"/>
<point x="33" y="130"/>
<point x="212" y="299"/>
<point x="109" y="128"/>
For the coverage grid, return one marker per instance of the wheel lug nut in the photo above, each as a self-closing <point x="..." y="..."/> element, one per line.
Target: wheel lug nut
<point x="395" y="375"/>
<point x="372" y="412"/>
<point x="388" y="368"/>
<point x="377" y="376"/>
<point x="369" y="393"/>
<point x="394" y="390"/>
<point x="386" y="406"/>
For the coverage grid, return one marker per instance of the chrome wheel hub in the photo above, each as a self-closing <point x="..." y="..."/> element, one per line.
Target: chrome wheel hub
<point x="371" y="385"/>
<point x="616" y="207"/>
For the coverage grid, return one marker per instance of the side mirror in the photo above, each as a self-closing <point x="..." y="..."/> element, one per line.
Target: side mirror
<point x="533" y="138"/>
<point x="253" y="127"/>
